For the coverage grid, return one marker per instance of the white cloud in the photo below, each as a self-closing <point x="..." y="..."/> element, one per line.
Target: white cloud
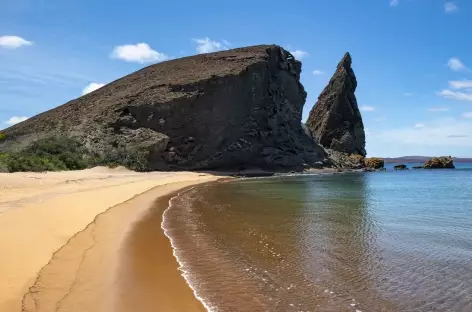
<point x="456" y="95"/>
<point x="450" y="7"/>
<point x="467" y="115"/>
<point x="15" y="119"/>
<point x="138" y="53"/>
<point x="13" y="42"/>
<point x="318" y="72"/>
<point x="393" y="3"/>
<point x="92" y="87"/>
<point x="419" y="125"/>
<point x="438" y="109"/>
<point x="299" y="54"/>
<point x="206" y="45"/>
<point x="367" y="108"/>
<point x="407" y="94"/>
<point x="456" y="64"/>
<point x="460" y="84"/>
<point x="437" y="133"/>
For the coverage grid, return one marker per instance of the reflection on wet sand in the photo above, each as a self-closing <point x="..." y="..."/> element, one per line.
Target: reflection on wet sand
<point x="352" y="242"/>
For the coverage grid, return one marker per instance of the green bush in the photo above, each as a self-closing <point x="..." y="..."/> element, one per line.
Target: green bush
<point x="121" y="156"/>
<point x="2" y="136"/>
<point x="4" y="163"/>
<point x="48" y="154"/>
<point x="65" y="153"/>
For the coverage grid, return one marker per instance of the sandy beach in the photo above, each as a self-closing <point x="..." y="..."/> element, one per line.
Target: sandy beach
<point x="80" y="241"/>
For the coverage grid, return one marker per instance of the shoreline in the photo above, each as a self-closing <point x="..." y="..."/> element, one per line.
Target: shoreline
<point x="181" y="270"/>
<point x="65" y="236"/>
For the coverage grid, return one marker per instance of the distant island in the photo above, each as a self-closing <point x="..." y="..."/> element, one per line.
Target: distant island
<point x="420" y="159"/>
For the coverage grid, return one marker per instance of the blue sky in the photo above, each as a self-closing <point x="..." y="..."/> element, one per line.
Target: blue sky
<point x="412" y="58"/>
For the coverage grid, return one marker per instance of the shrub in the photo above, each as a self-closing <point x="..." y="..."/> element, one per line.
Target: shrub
<point x="65" y="153"/>
<point x="48" y="154"/>
<point x="2" y="136"/>
<point x="121" y="156"/>
<point x="4" y="163"/>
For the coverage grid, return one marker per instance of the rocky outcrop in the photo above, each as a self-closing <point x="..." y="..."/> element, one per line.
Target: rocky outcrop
<point x="400" y="167"/>
<point x="374" y="163"/>
<point x="234" y="109"/>
<point x="335" y="121"/>
<point x="440" y="163"/>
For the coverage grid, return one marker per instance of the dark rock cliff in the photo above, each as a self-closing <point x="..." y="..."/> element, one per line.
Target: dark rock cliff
<point x="335" y="121"/>
<point x="224" y="110"/>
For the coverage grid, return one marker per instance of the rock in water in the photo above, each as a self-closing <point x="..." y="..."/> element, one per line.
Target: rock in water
<point x="335" y="121"/>
<point x="234" y="109"/>
<point x="400" y="167"/>
<point x="440" y="163"/>
<point x="374" y="163"/>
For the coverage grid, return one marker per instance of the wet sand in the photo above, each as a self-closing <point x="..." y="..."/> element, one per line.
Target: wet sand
<point x="67" y="244"/>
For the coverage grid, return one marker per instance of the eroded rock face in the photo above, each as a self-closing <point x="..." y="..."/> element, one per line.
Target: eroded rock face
<point x="444" y="162"/>
<point x="374" y="163"/>
<point x="335" y="121"/>
<point x="234" y="109"/>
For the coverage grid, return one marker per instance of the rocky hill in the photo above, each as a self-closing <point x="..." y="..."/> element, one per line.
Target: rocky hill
<point x="237" y="108"/>
<point x="234" y="109"/>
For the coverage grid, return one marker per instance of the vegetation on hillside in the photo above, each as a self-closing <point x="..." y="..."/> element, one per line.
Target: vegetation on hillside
<point x="65" y="153"/>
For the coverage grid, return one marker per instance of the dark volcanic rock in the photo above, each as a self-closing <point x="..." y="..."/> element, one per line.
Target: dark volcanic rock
<point x="400" y="167"/>
<point x="335" y="121"/>
<point x="227" y="110"/>
<point x="440" y="163"/>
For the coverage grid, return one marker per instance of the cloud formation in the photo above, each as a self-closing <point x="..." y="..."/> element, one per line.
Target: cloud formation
<point x="92" y="87"/>
<point x="467" y="115"/>
<point x="456" y="64"/>
<point x="436" y="133"/>
<point x="13" y="42"/>
<point x="456" y="95"/>
<point x="367" y="108"/>
<point x="318" y="72"/>
<point x="206" y="45"/>
<point x="393" y="3"/>
<point x="450" y="7"/>
<point x="460" y="84"/>
<point x="299" y="54"/>
<point x="16" y="119"/>
<point x="138" y="53"/>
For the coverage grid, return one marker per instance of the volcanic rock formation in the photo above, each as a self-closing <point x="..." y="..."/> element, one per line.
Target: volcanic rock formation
<point x="234" y="109"/>
<point x="335" y="121"/>
<point x="444" y="162"/>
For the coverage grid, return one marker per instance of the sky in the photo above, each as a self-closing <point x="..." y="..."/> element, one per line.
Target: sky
<point x="412" y="58"/>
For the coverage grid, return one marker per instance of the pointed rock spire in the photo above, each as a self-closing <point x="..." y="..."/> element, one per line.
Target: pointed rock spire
<point x="335" y="120"/>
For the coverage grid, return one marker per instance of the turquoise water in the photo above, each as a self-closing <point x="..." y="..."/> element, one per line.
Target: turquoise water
<point x="380" y="241"/>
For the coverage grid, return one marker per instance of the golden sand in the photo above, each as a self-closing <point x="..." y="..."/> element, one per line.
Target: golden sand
<point x="79" y="241"/>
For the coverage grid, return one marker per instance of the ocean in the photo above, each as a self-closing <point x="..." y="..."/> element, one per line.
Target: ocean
<point x="378" y="241"/>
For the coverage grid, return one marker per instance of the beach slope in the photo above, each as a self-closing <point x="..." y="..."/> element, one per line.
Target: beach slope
<point x="64" y="238"/>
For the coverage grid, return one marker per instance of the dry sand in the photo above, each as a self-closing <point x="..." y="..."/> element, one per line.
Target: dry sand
<point x="83" y="241"/>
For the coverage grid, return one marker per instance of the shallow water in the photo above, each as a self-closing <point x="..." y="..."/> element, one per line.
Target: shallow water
<point x="382" y="241"/>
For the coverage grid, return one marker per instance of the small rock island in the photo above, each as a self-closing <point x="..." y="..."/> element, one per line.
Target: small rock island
<point x="443" y="162"/>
